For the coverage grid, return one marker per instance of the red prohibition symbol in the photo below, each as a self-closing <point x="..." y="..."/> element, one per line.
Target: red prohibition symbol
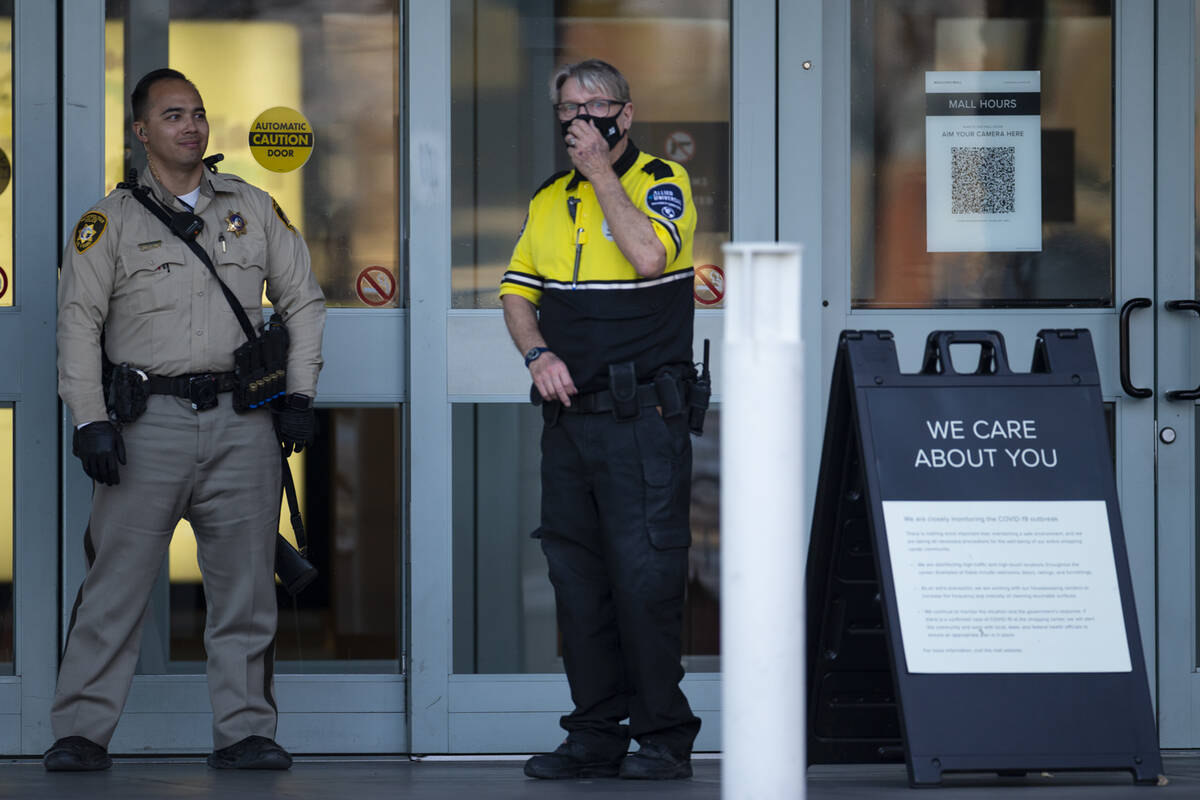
<point x="709" y="285"/>
<point x="375" y="286"/>
<point x="3" y="283"/>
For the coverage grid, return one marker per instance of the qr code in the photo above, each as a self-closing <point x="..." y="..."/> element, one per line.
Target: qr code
<point x="983" y="180"/>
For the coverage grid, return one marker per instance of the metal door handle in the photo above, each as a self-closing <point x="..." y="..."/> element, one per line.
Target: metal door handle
<point x="1183" y="305"/>
<point x="1126" y="311"/>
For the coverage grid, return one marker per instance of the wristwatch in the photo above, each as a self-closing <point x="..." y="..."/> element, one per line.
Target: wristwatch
<point x="533" y="353"/>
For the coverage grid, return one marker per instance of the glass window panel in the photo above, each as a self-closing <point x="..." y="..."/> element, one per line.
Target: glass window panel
<point x="338" y="64"/>
<point x="504" y="619"/>
<point x="6" y="540"/>
<point x="348" y="484"/>
<point x="504" y="136"/>
<point x="1069" y="42"/>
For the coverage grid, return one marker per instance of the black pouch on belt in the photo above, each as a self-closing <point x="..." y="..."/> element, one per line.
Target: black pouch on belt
<point x="670" y="393"/>
<point x="622" y="383"/>
<point x="125" y="393"/>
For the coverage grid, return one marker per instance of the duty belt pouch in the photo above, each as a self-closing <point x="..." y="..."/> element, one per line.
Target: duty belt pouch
<point x="670" y="397"/>
<point x="260" y="367"/>
<point x="622" y="383"/>
<point x="125" y="394"/>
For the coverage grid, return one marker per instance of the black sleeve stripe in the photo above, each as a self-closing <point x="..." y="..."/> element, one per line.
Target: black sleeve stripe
<point x="550" y="180"/>
<point x="671" y="229"/>
<point x="659" y="169"/>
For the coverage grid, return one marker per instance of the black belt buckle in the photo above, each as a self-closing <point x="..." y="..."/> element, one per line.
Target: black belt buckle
<point x="202" y="391"/>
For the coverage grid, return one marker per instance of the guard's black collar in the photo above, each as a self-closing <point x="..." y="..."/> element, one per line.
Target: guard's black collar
<point x="621" y="166"/>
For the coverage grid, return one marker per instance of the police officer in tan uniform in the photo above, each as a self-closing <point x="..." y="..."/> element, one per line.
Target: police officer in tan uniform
<point x="128" y="276"/>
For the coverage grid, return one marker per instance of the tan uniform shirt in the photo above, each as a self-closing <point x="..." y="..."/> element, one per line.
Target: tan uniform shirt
<point x="160" y="307"/>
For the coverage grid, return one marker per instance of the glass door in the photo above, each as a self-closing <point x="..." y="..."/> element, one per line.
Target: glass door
<point x="492" y="680"/>
<point x="340" y="650"/>
<point x="945" y="207"/>
<point x="1178" y="371"/>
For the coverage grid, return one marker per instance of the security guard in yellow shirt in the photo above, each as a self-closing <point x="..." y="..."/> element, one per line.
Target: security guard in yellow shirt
<point x="128" y="276"/>
<point x="598" y="298"/>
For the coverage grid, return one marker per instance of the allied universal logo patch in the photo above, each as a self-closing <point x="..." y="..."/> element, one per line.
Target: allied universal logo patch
<point x="666" y="200"/>
<point x="89" y="229"/>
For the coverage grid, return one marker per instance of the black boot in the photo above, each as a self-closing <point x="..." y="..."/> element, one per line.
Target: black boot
<point x="76" y="754"/>
<point x="572" y="760"/>
<point x="253" y="752"/>
<point x="654" y="762"/>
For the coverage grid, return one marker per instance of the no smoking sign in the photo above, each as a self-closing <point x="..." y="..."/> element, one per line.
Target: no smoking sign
<point x="375" y="286"/>
<point x="680" y="146"/>
<point x="708" y="287"/>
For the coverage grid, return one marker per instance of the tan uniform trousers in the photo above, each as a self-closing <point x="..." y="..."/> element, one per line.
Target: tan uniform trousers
<point x="221" y="470"/>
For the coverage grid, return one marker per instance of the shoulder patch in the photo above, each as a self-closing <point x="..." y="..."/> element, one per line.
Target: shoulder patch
<point x="550" y="180"/>
<point x="659" y="169"/>
<point x="282" y="216"/>
<point x="666" y="200"/>
<point x="89" y="229"/>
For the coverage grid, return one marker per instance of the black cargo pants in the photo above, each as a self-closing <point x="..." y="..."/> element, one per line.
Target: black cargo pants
<point x="615" y="503"/>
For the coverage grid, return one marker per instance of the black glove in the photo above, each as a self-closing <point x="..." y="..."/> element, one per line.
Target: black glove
<point x="296" y="423"/>
<point x="99" y="447"/>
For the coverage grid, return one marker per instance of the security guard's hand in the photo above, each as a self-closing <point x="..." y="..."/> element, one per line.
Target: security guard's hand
<point x="552" y="378"/>
<point x="99" y="447"/>
<point x="296" y="423"/>
<point x="587" y="148"/>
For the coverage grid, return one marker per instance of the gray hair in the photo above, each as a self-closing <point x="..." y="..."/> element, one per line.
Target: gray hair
<point x="592" y="75"/>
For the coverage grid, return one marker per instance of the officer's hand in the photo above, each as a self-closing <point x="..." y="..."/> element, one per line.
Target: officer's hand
<point x="100" y="447"/>
<point x="296" y="423"/>
<point x="552" y="378"/>
<point x="587" y="148"/>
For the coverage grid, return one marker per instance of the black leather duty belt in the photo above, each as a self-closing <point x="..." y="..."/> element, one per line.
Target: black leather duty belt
<point x="201" y="388"/>
<point x="599" y="402"/>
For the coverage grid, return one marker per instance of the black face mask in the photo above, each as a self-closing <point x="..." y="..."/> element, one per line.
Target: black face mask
<point x="606" y="125"/>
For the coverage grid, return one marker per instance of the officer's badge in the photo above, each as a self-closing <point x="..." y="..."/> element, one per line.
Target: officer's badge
<point x="89" y="229"/>
<point x="235" y="223"/>
<point x="282" y="216"/>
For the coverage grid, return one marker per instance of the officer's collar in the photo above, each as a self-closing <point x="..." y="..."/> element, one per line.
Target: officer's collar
<point x="620" y="166"/>
<point x="215" y="181"/>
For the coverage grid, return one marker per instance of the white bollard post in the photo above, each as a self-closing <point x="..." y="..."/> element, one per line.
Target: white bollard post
<point x="762" y="530"/>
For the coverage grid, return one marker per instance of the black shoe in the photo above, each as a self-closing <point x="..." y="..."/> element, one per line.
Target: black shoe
<point x="572" y="760"/>
<point x="653" y="762"/>
<point x="253" y="752"/>
<point x="76" y="754"/>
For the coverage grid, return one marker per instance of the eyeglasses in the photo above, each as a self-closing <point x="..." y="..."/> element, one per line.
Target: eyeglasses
<point x="595" y="108"/>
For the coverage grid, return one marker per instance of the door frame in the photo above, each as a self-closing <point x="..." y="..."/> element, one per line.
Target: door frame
<point x="467" y="357"/>
<point x="319" y="713"/>
<point x="1134" y="238"/>
<point x="1178" y="367"/>
<point x="27" y="363"/>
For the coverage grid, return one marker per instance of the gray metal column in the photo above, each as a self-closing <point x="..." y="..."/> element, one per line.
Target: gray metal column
<point x="1178" y="713"/>
<point x="36" y="248"/>
<point x="803" y="72"/>
<point x="427" y="54"/>
<point x="82" y="185"/>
